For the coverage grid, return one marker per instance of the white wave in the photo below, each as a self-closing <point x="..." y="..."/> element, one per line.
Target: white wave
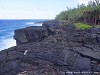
<point x="8" y="35"/>
<point x="7" y="43"/>
<point x="38" y="24"/>
<point x="34" y="24"/>
<point x="30" y="23"/>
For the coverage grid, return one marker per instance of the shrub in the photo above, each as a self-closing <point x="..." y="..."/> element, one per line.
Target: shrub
<point x="82" y="26"/>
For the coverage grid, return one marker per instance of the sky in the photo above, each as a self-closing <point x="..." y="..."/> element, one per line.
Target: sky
<point x="35" y="9"/>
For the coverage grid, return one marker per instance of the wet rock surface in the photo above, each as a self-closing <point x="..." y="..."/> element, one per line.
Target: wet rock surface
<point x="39" y="52"/>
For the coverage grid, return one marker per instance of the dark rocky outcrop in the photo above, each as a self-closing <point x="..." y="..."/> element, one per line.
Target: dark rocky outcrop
<point x="37" y="33"/>
<point x="31" y="34"/>
<point x="50" y="50"/>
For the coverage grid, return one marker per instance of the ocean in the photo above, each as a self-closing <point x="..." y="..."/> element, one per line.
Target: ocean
<point x="7" y="28"/>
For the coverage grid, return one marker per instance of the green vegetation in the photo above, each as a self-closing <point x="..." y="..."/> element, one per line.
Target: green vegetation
<point x="76" y="14"/>
<point x="82" y="26"/>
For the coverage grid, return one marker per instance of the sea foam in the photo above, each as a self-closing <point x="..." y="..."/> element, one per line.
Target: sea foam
<point x="30" y="23"/>
<point x="7" y="28"/>
<point x="7" y="43"/>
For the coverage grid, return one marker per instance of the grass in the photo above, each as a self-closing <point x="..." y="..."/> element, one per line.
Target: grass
<point x="82" y="26"/>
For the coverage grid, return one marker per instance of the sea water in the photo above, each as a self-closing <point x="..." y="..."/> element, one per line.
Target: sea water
<point x="7" y="28"/>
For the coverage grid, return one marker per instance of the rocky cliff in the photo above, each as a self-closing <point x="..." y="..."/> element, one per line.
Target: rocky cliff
<point x="52" y="50"/>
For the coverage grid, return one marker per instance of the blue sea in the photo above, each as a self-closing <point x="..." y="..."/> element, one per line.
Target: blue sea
<point x="7" y="28"/>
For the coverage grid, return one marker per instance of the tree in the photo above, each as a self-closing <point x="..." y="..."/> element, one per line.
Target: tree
<point x="97" y="2"/>
<point x="77" y="14"/>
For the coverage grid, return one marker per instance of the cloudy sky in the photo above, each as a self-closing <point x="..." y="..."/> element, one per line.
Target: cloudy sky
<point x="35" y="9"/>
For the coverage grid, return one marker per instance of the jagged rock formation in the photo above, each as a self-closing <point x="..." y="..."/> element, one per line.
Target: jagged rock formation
<point x="52" y="51"/>
<point x="30" y="34"/>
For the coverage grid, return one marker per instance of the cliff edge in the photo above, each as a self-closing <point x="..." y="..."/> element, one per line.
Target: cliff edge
<point x="51" y="49"/>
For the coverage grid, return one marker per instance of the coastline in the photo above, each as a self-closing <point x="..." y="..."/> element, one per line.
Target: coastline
<point x="52" y="49"/>
<point x="7" y="28"/>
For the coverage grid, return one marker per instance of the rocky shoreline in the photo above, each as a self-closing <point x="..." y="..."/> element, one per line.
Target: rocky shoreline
<point x="52" y="49"/>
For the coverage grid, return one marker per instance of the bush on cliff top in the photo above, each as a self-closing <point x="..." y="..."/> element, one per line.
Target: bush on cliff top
<point x="82" y="26"/>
